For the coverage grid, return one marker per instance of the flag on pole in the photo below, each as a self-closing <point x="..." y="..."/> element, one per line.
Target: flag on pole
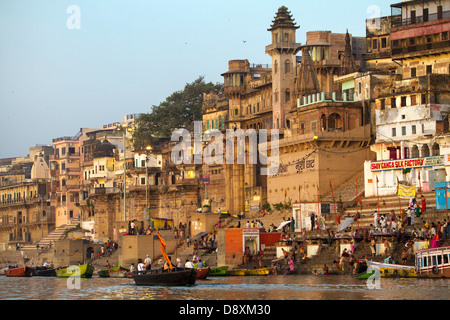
<point x="163" y="250"/>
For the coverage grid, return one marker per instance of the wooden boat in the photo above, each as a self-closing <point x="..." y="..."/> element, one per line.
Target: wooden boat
<point x="202" y="273"/>
<point x="236" y="272"/>
<point x="19" y="272"/>
<point x="45" y="272"/>
<point x="387" y="270"/>
<point x="433" y="263"/>
<point x="257" y="272"/>
<point x="82" y="271"/>
<point x="171" y="278"/>
<point x="218" y="271"/>
<point x="116" y="272"/>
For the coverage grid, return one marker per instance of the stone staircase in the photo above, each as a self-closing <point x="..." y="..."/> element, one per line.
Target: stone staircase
<point x="51" y="238"/>
<point x="347" y="190"/>
<point x="388" y="203"/>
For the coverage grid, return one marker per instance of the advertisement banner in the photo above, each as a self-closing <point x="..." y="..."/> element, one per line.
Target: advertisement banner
<point x="406" y="192"/>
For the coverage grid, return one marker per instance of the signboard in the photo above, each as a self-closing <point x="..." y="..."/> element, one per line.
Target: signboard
<point x="406" y="192"/>
<point x="254" y="208"/>
<point x="206" y="179"/>
<point x="407" y="163"/>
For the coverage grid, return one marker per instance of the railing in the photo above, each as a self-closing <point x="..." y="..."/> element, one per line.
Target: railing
<point x="397" y="21"/>
<point x="421" y="47"/>
<point x="325" y="97"/>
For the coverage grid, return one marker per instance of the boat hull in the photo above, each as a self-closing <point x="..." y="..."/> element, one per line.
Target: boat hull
<point x="19" y="272"/>
<point x="202" y="273"/>
<point x="218" y="271"/>
<point x="384" y="270"/>
<point x="82" y="271"/>
<point x="236" y="272"/>
<point x="116" y="272"/>
<point x="171" y="278"/>
<point x="257" y="272"/>
<point x="45" y="272"/>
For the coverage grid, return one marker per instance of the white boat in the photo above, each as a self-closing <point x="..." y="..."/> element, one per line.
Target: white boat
<point x="433" y="263"/>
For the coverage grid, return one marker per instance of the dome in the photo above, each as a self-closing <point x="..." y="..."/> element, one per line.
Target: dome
<point x="104" y="149"/>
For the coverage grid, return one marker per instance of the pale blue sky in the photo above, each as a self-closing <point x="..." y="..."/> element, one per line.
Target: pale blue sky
<point x="131" y="54"/>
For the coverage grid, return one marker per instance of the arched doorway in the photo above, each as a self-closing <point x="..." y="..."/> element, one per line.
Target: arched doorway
<point x="334" y="122"/>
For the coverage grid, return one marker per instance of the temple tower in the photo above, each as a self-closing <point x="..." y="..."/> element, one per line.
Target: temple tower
<point x="283" y="51"/>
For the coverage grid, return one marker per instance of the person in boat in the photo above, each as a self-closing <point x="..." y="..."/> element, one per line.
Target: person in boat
<point x="188" y="264"/>
<point x="180" y="265"/>
<point x="140" y="267"/>
<point x="325" y="270"/>
<point x="167" y="266"/>
<point x="200" y="264"/>
<point x="148" y="263"/>
<point x="132" y="268"/>
<point x="108" y="265"/>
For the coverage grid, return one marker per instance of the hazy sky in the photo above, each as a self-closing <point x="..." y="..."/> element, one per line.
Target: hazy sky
<point x="66" y="65"/>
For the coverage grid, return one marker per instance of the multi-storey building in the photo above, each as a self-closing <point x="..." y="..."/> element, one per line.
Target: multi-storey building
<point x="412" y="107"/>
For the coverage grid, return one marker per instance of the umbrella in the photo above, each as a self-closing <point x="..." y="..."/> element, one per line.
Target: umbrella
<point x="345" y="224"/>
<point x="283" y="224"/>
<point x="200" y="235"/>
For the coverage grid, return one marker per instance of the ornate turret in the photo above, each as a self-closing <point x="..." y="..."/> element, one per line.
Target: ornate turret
<point x="283" y="19"/>
<point x="348" y="62"/>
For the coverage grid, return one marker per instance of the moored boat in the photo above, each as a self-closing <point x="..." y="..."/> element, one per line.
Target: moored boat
<point x="45" y="272"/>
<point x="82" y="271"/>
<point x="218" y="271"/>
<point x="202" y="273"/>
<point x="433" y="263"/>
<point x="116" y="272"/>
<point x="387" y="270"/>
<point x="257" y="272"/>
<point x="236" y="272"/>
<point x="170" y="278"/>
<point x="23" y="271"/>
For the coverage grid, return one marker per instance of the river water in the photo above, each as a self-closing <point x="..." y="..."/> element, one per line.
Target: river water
<point x="294" y="287"/>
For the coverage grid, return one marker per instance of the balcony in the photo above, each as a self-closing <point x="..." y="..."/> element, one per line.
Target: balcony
<point x="104" y="191"/>
<point x="325" y="97"/>
<point x="398" y="21"/>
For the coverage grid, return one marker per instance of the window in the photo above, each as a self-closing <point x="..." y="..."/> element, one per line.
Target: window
<point x="403" y="101"/>
<point x="425" y="15"/>
<point x="236" y="112"/>
<point x="287" y="66"/>
<point x="383" y="42"/>
<point x="142" y="181"/>
<point x="439" y="12"/>
<point x="403" y="131"/>
<point x="413" y="72"/>
<point x="382" y="104"/>
<point x="429" y="69"/>
<point x="393" y="103"/>
<point x="287" y="95"/>
<point x="413" y="129"/>
<point x="394" y="132"/>
<point x="423" y="98"/>
<point x="413" y="16"/>
<point x="374" y="44"/>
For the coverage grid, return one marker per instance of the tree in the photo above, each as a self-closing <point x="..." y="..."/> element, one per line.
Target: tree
<point x="179" y="110"/>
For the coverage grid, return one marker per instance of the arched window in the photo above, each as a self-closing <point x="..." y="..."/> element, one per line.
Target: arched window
<point x="435" y="151"/>
<point x="415" y="152"/>
<point x="323" y="122"/>
<point x="425" y="151"/>
<point x="236" y="112"/>
<point x="287" y="66"/>
<point x="334" y="122"/>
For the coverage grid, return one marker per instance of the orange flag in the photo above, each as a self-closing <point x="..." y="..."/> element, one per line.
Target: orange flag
<point x="163" y="250"/>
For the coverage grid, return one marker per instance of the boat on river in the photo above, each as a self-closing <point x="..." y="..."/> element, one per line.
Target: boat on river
<point x="82" y="271"/>
<point x="257" y="272"/>
<point x="115" y="272"/>
<point x="218" y="271"/>
<point x="236" y="272"/>
<point x="45" y="271"/>
<point x="168" y="278"/>
<point x="202" y="273"/>
<point x="433" y="263"/>
<point x="23" y="271"/>
<point x="387" y="270"/>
